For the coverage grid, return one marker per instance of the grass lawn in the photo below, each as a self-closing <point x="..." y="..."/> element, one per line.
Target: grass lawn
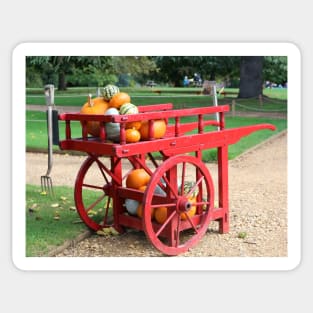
<point x="275" y="100"/>
<point x="50" y="222"/>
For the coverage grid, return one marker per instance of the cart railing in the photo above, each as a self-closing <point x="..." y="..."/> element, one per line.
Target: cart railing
<point x="150" y="114"/>
<point x="174" y="141"/>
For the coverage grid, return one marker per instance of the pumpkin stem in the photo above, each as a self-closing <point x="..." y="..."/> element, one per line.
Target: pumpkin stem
<point x="90" y="102"/>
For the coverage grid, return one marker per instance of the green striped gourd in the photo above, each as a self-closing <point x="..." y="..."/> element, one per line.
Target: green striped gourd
<point x="109" y="91"/>
<point x="128" y="108"/>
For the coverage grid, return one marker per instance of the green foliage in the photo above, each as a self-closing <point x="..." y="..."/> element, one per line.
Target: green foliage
<point x="91" y="76"/>
<point x="62" y="66"/>
<point x="86" y="70"/>
<point x="33" y="78"/>
<point x="134" y="65"/>
<point x="173" y="68"/>
<point x="275" y="69"/>
<point x="132" y="70"/>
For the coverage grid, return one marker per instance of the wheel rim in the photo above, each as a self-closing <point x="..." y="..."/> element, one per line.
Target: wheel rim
<point x="176" y="235"/>
<point x="93" y="197"/>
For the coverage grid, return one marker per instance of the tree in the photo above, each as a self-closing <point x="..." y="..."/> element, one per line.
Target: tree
<point x="275" y="69"/>
<point x="172" y="69"/>
<point x="66" y="65"/>
<point x="251" y="78"/>
<point x="131" y="68"/>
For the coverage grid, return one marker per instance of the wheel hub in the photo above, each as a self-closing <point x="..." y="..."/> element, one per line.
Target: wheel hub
<point x="183" y="205"/>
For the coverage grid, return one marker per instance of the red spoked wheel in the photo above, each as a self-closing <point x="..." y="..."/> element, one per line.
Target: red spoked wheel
<point x="188" y="196"/>
<point x="93" y="193"/>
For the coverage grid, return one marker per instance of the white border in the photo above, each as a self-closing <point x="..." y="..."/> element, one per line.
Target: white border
<point x="164" y="264"/>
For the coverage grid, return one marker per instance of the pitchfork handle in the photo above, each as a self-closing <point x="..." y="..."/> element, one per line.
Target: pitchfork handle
<point x="49" y="92"/>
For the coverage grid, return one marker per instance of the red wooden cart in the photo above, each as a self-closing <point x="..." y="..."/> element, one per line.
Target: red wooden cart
<point x="179" y="160"/>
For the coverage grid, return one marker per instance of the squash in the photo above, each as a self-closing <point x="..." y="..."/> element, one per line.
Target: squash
<point x="159" y="191"/>
<point x="132" y="135"/>
<point x="131" y="206"/>
<point x="140" y="211"/>
<point x="112" y="129"/>
<point x="160" y="214"/>
<point x="119" y="99"/>
<point x="134" y="125"/>
<point x="128" y="108"/>
<point x="94" y="106"/>
<point x="137" y="178"/>
<point x="109" y="91"/>
<point x="158" y="130"/>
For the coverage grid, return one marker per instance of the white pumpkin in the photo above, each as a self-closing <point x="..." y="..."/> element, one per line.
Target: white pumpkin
<point x="131" y="206"/>
<point x="159" y="191"/>
<point x="112" y="129"/>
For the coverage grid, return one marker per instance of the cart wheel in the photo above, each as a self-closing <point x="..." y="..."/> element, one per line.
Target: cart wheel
<point x="175" y="234"/>
<point x="93" y="194"/>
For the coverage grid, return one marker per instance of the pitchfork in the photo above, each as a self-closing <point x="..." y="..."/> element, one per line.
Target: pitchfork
<point x="46" y="181"/>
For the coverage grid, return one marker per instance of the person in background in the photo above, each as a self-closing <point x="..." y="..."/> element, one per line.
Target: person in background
<point x="186" y="81"/>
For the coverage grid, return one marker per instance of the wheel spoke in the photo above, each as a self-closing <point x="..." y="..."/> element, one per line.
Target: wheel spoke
<point x="201" y="203"/>
<point x="191" y="223"/>
<point x="194" y="187"/>
<point x="165" y="223"/>
<point x="170" y="186"/>
<point x="95" y="203"/>
<point x="92" y="186"/>
<point x="177" y="231"/>
<point x="102" y="169"/>
<point x="183" y="179"/>
<point x="168" y="205"/>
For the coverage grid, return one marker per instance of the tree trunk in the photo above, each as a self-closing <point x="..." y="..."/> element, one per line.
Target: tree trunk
<point x="62" y="82"/>
<point x="251" y="78"/>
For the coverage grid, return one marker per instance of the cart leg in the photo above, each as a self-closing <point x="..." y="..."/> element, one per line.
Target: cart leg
<point x="222" y="156"/>
<point x="116" y="168"/>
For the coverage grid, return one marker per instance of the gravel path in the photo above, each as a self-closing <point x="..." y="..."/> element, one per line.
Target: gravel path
<point x="258" y="207"/>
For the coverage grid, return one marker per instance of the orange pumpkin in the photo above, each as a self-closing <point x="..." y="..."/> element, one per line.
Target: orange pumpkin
<point x="137" y="178"/>
<point x="94" y="106"/>
<point x="139" y="211"/>
<point x="192" y="210"/>
<point x="119" y="99"/>
<point x="142" y="188"/>
<point x="160" y="214"/>
<point x="159" y="129"/>
<point x="135" y="125"/>
<point x="132" y="135"/>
